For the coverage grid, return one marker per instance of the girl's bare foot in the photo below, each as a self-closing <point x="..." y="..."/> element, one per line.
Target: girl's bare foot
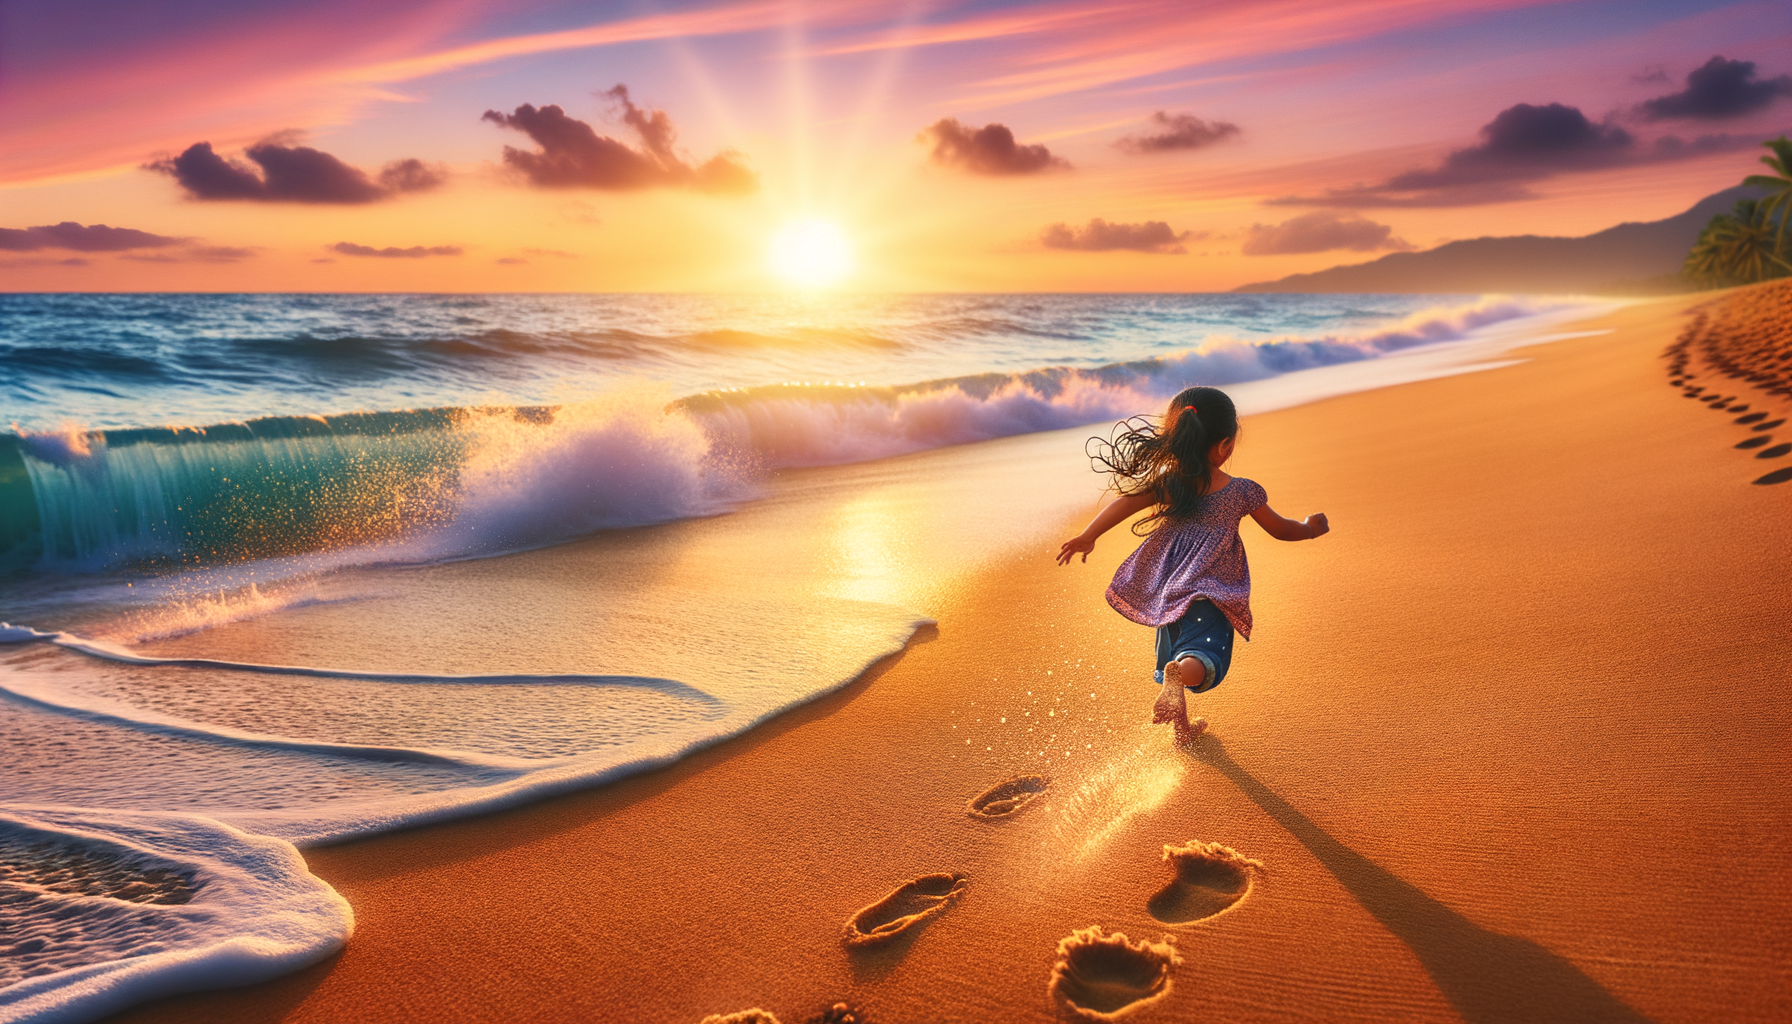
<point x="1172" y="707"/>
<point x="1172" y="703"/>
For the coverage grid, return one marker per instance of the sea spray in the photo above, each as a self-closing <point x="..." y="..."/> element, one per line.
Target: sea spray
<point x="622" y="460"/>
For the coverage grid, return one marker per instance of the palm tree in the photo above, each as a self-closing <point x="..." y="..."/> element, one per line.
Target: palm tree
<point x="1778" y="185"/>
<point x="1740" y="247"/>
<point x="1705" y="263"/>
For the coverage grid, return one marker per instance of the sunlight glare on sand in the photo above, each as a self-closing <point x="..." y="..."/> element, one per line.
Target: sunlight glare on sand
<point x="1137" y="781"/>
<point x="811" y="254"/>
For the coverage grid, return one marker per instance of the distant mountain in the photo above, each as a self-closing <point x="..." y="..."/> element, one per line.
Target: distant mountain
<point x="1617" y="259"/>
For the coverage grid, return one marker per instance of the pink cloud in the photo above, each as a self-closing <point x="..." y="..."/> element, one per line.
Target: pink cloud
<point x="1073" y="45"/>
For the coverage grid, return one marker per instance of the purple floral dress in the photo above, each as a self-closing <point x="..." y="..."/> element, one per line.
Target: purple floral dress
<point x="1184" y="560"/>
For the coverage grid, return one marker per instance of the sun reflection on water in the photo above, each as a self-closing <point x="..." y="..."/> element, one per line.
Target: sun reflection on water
<point x="869" y="537"/>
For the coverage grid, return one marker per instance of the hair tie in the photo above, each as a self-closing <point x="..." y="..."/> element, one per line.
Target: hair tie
<point x="1190" y="408"/>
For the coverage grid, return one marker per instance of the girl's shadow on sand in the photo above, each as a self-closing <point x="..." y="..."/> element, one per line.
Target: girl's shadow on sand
<point x="1488" y="977"/>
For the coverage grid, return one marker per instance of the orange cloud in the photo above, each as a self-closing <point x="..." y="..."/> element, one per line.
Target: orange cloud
<point x="1154" y="236"/>
<point x="415" y="252"/>
<point x="1321" y="231"/>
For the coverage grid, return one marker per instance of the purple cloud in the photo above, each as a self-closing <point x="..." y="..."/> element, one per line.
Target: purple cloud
<point x="572" y="155"/>
<point x="73" y="261"/>
<point x="1178" y="131"/>
<point x="1718" y="89"/>
<point x="78" y="238"/>
<point x="1522" y="144"/>
<point x="989" y="150"/>
<point x="291" y="174"/>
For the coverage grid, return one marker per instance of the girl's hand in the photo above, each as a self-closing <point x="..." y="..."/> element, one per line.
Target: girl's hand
<point x="1282" y="528"/>
<point x="1079" y="544"/>
<point x="1118" y="511"/>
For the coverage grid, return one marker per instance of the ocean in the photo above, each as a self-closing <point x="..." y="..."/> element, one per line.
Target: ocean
<point x="292" y="569"/>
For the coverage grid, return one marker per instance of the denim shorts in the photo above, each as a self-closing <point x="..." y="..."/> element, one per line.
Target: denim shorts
<point x="1203" y="633"/>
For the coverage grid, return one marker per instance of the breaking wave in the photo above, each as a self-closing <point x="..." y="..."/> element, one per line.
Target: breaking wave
<point x="442" y="483"/>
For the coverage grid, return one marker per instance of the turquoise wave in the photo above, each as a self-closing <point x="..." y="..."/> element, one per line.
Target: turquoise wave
<point x="266" y="487"/>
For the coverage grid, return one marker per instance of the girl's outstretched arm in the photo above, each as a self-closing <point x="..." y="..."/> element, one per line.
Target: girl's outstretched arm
<point x="1122" y="509"/>
<point x="1282" y="528"/>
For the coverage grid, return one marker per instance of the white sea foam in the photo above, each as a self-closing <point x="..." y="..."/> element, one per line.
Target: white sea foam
<point x="11" y="634"/>
<point x="830" y="425"/>
<point x="61" y="446"/>
<point x="104" y="909"/>
<point x="324" y="773"/>
<point x="611" y="462"/>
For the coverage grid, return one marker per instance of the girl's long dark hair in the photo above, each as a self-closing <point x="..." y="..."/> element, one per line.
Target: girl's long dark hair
<point x="1168" y="459"/>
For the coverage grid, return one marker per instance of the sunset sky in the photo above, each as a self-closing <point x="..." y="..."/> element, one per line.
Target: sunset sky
<point x="1138" y="145"/>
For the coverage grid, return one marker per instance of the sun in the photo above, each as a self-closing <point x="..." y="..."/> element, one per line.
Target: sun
<point x="810" y="254"/>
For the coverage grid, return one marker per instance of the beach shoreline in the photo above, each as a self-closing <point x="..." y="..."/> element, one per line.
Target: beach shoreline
<point x="1535" y="661"/>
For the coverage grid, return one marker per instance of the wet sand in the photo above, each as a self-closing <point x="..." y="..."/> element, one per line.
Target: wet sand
<point x="1510" y="744"/>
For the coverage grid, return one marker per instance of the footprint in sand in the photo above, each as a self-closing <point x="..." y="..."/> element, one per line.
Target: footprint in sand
<point x="1102" y="977"/>
<point x="907" y="906"/>
<point x="1208" y="878"/>
<point x="1004" y="799"/>
<point x="1754" y="442"/>
<point x="1775" y="452"/>
<point x="1769" y="425"/>
<point x="1753" y="417"/>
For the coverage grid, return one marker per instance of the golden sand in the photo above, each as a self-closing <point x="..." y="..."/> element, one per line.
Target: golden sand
<point x="1510" y="744"/>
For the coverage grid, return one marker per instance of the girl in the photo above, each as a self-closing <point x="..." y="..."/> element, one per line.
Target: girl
<point x="1190" y="578"/>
